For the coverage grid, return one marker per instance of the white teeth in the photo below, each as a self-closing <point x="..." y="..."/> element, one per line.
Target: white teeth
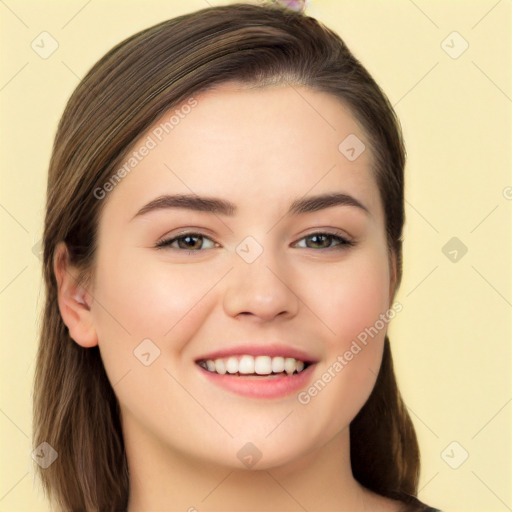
<point x="278" y="364"/>
<point x="220" y="367"/>
<point x="263" y="365"/>
<point x="289" y="365"/>
<point x="232" y="365"/>
<point x="247" y="365"/>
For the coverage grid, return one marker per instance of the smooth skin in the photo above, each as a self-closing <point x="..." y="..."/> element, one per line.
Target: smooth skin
<point x="260" y="148"/>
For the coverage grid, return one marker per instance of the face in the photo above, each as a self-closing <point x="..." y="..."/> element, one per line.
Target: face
<point x="258" y="275"/>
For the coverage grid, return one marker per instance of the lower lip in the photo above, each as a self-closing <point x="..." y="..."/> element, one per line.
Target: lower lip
<point x="261" y="387"/>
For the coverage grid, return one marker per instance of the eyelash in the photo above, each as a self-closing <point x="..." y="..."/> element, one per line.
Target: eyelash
<point x="343" y="244"/>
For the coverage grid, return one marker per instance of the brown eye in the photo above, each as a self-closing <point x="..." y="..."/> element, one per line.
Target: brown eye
<point x="186" y="241"/>
<point x="323" y="241"/>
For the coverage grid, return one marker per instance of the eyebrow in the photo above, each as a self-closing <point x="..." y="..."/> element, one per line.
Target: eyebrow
<point x="222" y="207"/>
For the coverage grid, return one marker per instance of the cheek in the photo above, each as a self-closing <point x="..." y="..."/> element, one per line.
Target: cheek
<point x="353" y="296"/>
<point x="361" y="300"/>
<point x="145" y="298"/>
<point x="360" y="308"/>
<point x="352" y="305"/>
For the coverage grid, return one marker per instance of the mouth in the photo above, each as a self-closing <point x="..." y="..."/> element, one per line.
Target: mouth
<point x="247" y="366"/>
<point x="262" y="377"/>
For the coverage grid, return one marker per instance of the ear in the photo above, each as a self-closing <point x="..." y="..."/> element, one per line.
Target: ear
<point x="74" y="301"/>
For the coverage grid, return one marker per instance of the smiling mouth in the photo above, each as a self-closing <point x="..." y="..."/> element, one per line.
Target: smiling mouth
<point x="261" y="377"/>
<point x="254" y="367"/>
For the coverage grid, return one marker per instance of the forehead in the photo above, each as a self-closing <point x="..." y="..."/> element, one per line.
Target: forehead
<point x="294" y="120"/>
<point x="250" y="144"/>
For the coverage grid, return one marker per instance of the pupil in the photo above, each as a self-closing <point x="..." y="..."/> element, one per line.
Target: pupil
<point x="188" y="238"/>
<point x="316" y="237"/>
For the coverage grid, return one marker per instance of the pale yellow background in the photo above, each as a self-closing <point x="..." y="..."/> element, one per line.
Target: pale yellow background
<point x="451" y="343"/>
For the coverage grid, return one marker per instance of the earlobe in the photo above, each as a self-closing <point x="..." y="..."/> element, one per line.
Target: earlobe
<point x="74" y="301"/>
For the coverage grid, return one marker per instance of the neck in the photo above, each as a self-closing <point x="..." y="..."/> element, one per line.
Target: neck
<point x="167" y="480"/>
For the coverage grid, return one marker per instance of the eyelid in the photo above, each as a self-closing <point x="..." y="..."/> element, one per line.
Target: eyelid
<point x="346" y="241"/>
<point x="329" y="231"/>
<point x="165" y="241"/>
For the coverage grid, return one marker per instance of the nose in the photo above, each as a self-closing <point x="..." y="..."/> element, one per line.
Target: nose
<point x="260" y="290"/>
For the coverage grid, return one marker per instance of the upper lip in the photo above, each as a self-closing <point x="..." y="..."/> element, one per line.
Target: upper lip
<point x="254" y="350"/>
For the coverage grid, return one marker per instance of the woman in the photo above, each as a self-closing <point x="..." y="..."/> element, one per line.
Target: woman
<point x="222" y="248"/>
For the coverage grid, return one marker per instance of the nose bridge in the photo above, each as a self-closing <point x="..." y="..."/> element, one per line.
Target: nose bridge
<point x="259" y="284"/>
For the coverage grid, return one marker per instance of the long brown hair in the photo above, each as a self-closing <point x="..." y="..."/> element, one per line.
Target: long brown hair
<point x="125" y="92"/>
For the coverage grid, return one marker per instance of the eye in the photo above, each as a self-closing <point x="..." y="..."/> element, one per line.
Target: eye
<point x="194" y="242"/>
<point x="186" y="241"/>
<point x="321" y="239"/>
